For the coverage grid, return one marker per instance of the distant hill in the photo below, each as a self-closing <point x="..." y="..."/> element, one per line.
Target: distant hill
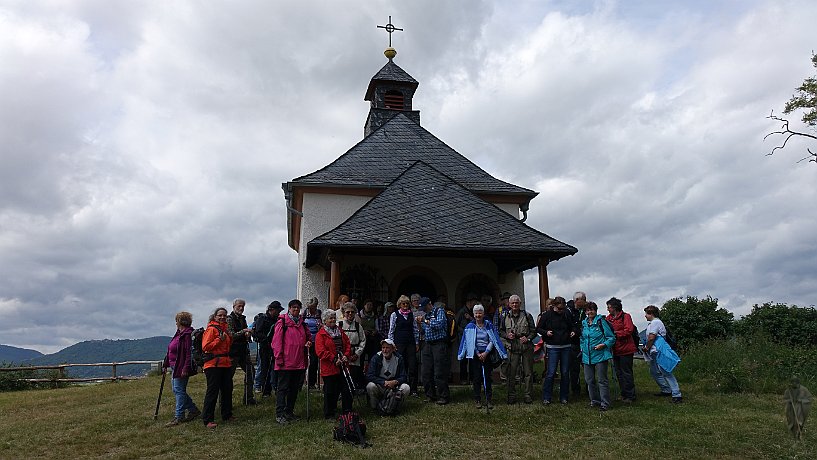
<point x="9" y="354"/>
<point x="107" y="351"/>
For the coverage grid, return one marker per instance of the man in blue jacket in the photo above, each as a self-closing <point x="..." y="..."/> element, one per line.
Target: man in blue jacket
<point x="386" y="371"/>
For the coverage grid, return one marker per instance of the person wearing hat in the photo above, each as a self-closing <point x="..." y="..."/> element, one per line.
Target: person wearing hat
<point x="263" y="327"/>
<point x="314" y="322"/>
<point x="386" y="371"/>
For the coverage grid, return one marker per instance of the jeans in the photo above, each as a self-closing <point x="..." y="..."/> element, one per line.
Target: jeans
<point x="560" y="356"/>
<point x="598" y="386"/>
<point x="623" y="366"/>
<point x="665" y="380"/>
<point x="265" y="372"/>
<point x="183" y="400"/>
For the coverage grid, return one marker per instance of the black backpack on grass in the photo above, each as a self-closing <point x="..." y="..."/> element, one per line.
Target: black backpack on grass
<point x="351" y="429"/>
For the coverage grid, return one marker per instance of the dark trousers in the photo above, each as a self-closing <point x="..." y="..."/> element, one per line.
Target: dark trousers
<point x="372" y="346"/>
<point x="464" y="371"/>
<point x="478" y="369"/>
<point x="334" y="386"/>
<point x="219" y="387"/>
<point x="357" y="376"/>
<point x="575" y="368"/>
<point x="436" y="369"/>
<point x="243" y="361"/>
<point x="313" y="366"/>
<point x="623" y="366"/>
<point x="409" y="353"/>
<point x="289" y="383"/>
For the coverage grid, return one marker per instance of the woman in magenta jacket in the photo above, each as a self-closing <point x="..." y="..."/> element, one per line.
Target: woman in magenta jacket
<point x="290" y="343"/>
<point x="179" y="359"/>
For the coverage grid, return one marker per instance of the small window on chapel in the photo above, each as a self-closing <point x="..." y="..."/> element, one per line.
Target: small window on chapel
<point x="393" y="100"/>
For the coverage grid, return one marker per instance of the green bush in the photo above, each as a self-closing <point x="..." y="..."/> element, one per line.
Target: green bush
<point x="693" y="321"/>
<point x="794" y="326"/>
<point x="747" y="364"/>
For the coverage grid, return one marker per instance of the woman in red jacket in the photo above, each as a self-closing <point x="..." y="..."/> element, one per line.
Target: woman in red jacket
<point x="333" y="349"/>
<point x="215" y="345"/>
<point x="624" y="349"/>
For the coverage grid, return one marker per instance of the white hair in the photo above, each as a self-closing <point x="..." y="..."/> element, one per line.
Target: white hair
<point x="478" y="307"/>
<point x="514" y="297"/>
<point x="328" y="314"/>
<point x="579" y="295"/>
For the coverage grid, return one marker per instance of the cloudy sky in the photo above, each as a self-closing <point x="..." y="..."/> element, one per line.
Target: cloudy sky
<point x="143" y="145"/>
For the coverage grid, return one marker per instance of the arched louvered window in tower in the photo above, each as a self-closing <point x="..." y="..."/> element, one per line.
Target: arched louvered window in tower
<point x="393" y="100"/>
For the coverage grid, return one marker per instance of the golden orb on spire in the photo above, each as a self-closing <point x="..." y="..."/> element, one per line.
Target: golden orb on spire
<point x="390" y="53"/>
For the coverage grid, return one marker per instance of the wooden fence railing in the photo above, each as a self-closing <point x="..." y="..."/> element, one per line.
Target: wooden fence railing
<point x="60" y="377"/>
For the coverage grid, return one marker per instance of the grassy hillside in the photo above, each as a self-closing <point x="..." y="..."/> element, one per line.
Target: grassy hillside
<point x="9" y="354"/>
<point x="115" y="420"/>
<point x="106" y="351"/>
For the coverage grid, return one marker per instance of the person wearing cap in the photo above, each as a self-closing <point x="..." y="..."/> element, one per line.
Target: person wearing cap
<point x="357" y="340"/>
<point x="263" y="326"/>
<point x="386" y="371"/>
<point x="312" y="318"/>
<point x="436" y="355"/>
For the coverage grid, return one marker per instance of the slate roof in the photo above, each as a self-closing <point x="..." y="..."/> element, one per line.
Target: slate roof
<point x="426" y="212"/>
<point x="393" y="72"/>
<point x="386" y="153"/>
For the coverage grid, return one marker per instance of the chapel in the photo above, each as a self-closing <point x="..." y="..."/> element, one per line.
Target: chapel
<point x="401" y="212"/>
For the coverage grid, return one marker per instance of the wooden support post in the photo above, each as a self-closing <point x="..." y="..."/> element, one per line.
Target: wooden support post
<point x="544" y="290"/>
<point x="113" y="367"/>
<point x="334" y="281"/>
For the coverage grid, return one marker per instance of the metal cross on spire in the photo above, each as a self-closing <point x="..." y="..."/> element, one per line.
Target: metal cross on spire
<point x="389" y="28"/>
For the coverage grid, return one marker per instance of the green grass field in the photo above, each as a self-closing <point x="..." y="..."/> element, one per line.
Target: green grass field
<point x="115" y="420"/>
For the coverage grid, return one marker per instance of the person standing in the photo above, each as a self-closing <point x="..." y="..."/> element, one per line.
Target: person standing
<point x="263" y="328"/>
<point x="368" y="320"/>
<point x="333" y="349"/>
<point x="240" y="348"/>
<point x="478" y="339"/>
<point x="357" y="341"/>
<point x="624" y="349"/>
<point x="218" y="369"/>
<point x="576" y="309"/>
<point x="661" y="356"/>
<point x="462" y="319"/>
<point x="436" y="355"/>
<point x="290" y="343"/>
<point x="558" y="330"/>
<point x="179" y="359"/>
<point x="405" y="333"/>
<point x="517" y="330"/>
<point x="312" y="318"/>
<point x="596" y="342"/>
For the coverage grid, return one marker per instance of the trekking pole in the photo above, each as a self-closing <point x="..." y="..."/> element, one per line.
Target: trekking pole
<point x="308" y="363"/>
<point x="617" y="387"/>
<point x="159" y="399"/>
<point x="485" y="386"/>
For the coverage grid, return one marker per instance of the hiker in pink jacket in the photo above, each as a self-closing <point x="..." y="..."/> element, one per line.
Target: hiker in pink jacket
<point x="290" y="343"/>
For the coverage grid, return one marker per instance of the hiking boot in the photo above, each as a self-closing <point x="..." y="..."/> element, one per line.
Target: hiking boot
<point x="603" y="409"/>
<point x="546" y="402"/>
<point x="211" y="425"/>
<point x="191" y="415"/>
<point x="173" y="422"/>
<point x="677" y="400"/>
<point x="479" y="404"/>
<point x="662" y="394"/>
<point x="564" y="402"/>
<point x="528" y="400"/>
<point x="281" y="420"/>
<point x="490" y="405"/>
<point x="511" y="401"/>
<point x="291" y="417"/>
<point x="230" y="419"/>
<point x="627" y="401"/>
<point x="442" y="401"/>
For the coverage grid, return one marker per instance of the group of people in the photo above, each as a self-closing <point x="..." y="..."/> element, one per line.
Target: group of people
<point x="416" y="338"/>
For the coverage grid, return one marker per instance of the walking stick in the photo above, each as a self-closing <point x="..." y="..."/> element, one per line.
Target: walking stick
<point x="159" y="399"/>
<point x="485" y="386"/>
<point x="308" y="363"/>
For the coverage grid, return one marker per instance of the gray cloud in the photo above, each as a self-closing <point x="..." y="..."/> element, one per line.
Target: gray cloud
<point x="144" y="144"/>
